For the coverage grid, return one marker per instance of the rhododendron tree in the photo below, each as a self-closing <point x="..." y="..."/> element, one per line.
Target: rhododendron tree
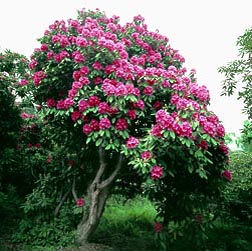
<point x="118" y="97"/>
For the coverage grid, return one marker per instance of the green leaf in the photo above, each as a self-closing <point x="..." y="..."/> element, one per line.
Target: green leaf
<point x="98" y="142"/>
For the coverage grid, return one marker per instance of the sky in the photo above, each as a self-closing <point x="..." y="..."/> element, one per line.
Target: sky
<point x="204" y="32"/>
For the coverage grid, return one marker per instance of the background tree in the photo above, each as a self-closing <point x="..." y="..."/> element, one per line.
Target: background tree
<point x="116" y="97"/>
<point x="237" y="73"/>
<point x="13" y="67"/>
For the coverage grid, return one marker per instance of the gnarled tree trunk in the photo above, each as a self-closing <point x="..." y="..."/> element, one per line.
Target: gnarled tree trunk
<point x="98" y="193"/>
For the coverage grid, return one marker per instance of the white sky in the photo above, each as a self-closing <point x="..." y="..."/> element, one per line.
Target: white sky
<point x="205" y="33"/>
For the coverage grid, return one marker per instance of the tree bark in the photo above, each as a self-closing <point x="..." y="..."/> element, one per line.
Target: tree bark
<point x="97" y="193"/>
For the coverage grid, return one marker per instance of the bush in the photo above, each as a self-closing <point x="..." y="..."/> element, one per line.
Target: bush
<point x="238" y="193"/>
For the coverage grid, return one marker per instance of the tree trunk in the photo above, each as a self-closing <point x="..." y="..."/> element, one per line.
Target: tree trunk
<point x="98" y="193"/>
<point x="89" y="222"/>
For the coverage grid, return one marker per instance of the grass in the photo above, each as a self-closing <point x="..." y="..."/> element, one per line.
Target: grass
<point x="127" y="226"/>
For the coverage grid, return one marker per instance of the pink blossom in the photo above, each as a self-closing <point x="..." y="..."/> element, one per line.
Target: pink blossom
<point x="160" y="115"/>
<point x="23" y="82"/>
<point x="148" y="91"/>
<point x="209" y="128"/>
<point x="157" y="131"/>
<point x="25" y="115"/>
<point x="97" y="80"/>
<point x="132" y="142"/>
<point x="37" y="145"/>
<point x="108" y="88"/>
<point x="77" y="85"/>
<point x="139" y="104"/>
<point x="166" y="84"/>
<point x="97" y="66"/>
<point x="93" y="101"/>
<point x="121" y="124"/>
<point x="103" y="108"/>
<point x="83" y="105"/>
<point x="156" y="172"/>
<point x="185" y="130"/>
<point x="49" y="55"/>
<point x="51" y="102"/>
<point x="32" y="64"/>
<point x="203" y="144"/>
<point x="121" y="90"/>
<point x="44" y="47"/>
<point x="84" y="70"/>
<point x="220" y="130"/>
<point x="76" y="75"/>
<point x="75" y="115"/>
<point x="227" y="174"/>
<point x="224" y="148"/>
<point x="86" y="129"/>
<point x="38" y="77"/>
<point x="68" y="102"/>
<point x="158" y="227"/>
<point x="131" y="114"/>
<point x="60" y="104"/>
<point x="80" y="202"/>
<point x="78" y="57"/>
<point x="94" y="124"/>
<point x="146" y="155"/>
<point x="81" y="41"/>
<point x="49" y="159"/>
<point x="104" y="123"/>
<point x="157" y="105"/>
<point x="84" y="80"/>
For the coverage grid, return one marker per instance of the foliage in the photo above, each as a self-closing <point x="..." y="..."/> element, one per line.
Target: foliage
<point x="12" y="68"/>
<point x="238" y="194"/>
<point x="238" y="72"/>
<point x="246" y="137"/>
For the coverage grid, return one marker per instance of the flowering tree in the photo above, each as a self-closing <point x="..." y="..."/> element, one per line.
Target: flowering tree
<point x="118" y="97"/>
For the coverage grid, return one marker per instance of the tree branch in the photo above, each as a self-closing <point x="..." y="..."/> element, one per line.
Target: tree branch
<point x="101" y="168"/>
<point x="73" y="189"/>
<point x="106" y="182"/>
<point x="61" y="202"/>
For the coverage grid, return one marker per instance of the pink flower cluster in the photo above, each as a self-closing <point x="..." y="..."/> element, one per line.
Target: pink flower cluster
<point x="113" y="88"/>
<point x="38" y="77"/>
<point x="132" y="142"/>
<point x="165" y="121"/>
<point x="80" y="202"/>
<point x="156" y="172"/>
<point x="211" y="125"/>
<point x="146" y="155"/>
<point x="227" y="174"/>
<point x="158" y="227"/>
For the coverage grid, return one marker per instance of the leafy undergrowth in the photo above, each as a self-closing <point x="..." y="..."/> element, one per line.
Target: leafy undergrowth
<point x="128" y="226"/>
